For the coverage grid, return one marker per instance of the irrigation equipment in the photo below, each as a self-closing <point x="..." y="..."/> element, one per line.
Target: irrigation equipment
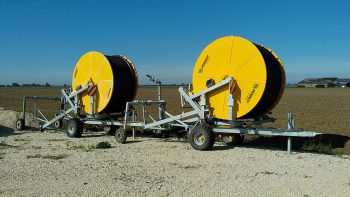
<point x="236" y="83"/>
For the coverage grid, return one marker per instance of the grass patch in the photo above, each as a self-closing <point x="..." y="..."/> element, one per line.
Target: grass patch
<point x="22" y="139"/>
<point x="53" y="157"/>
<point x="56" y="140"/>
<point x="318" y="148"/>
<point x="101" y="145"/>
<point x="76" y="147"/>
<point x="79" y="147"/>
<point x="2" y="155"/>
<point x="3" y="145"/>
<point x="191" y="166"/>
<point x="34" y="156"/>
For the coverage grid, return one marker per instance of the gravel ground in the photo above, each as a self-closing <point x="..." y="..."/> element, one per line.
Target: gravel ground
<point x="51" y="164"/>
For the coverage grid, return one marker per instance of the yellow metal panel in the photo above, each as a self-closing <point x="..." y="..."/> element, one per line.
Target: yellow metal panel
<point x="94" y="66"/>
<point x="236" y="57"/>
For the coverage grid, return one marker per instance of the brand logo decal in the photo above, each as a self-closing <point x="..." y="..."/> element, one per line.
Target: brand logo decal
<point x="250" y="95"/>
<point x="203" y="64"/>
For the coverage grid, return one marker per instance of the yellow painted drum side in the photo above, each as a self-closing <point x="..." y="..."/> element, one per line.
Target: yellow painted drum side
<point x="94" y="66"/>
<point x="236" y="57"/>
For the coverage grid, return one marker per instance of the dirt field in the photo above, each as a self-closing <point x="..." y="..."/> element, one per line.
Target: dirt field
<point x="325" y="110"/>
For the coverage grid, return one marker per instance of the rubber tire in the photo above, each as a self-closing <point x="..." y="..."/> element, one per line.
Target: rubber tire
<point x="120" y="135"/>
<point x="157" y="133"/>
<point x="209" y="137"/>
<point x="238" y="139"/>
<point x="20" y="125"/>
<point x="58" y="124"/>
<point x="110" y="129"/>
<point x="74" y="128"/>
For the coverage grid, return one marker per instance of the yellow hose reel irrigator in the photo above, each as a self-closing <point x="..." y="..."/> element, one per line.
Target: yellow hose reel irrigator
<point x="114" y="76"/>
<point x="256" y="70"/>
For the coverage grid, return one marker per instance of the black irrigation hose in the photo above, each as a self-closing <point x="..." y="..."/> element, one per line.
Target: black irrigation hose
<point x="124" y="89"/>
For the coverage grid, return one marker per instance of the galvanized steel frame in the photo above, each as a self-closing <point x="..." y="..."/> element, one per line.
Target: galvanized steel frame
<point x="198" y="114"/>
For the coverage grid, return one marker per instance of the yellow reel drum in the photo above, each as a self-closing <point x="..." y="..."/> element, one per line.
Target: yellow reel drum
<point x="257" y="71"/>
<point x="114" y="76"/>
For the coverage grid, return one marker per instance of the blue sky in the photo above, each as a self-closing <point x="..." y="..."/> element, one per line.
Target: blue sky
<point x="41" y="40"/>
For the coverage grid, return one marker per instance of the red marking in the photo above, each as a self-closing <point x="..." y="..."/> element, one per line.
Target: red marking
<point x="232" y="86"/>
<point x="92" y="90"/>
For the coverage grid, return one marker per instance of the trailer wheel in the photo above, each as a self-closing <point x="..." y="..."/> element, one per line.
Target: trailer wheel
<point x="20" y="124"/>
<point x="120" y="135"/>
<point x="158" y="133"/>
<point x="74" y="128"/>
<point x="202" y="137"/>
<point x="58" y="124"/>
<point x="234" y="139"/>
<point x="110" y="129"/>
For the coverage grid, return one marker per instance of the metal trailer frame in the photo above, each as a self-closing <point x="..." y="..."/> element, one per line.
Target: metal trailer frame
<point x="36" y="110"/>
<point x="37" y="114"/>
<point x="187" y="120"/>
<point x="44" y="122"/>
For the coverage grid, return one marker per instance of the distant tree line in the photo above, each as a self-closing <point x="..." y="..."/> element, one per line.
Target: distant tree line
<point x="27" y="85"/>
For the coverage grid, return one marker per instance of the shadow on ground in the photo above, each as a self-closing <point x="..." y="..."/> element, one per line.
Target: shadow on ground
<point x="332" y="140"/>
<point x="6" y="131"/>
<point x="96" y="134"/>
